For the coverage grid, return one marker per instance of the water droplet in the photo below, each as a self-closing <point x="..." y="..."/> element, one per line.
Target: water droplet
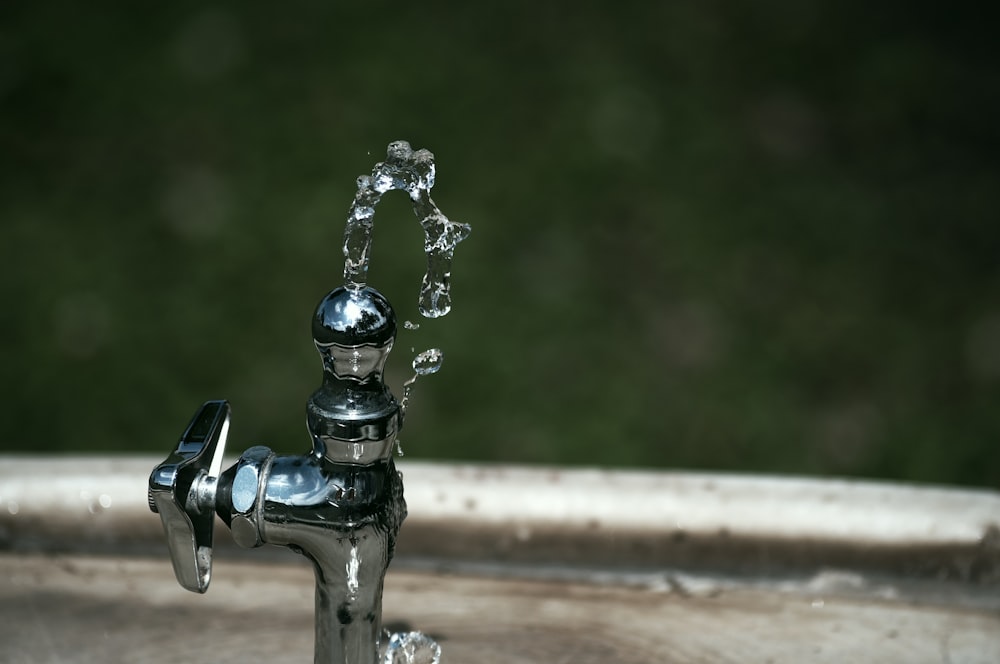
<point x="411" y="648"/>
<point x="409" y="325"/>
<point x="428" y="362"/>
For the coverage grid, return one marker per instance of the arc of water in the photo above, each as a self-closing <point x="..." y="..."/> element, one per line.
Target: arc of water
<point x="413" y="172"/>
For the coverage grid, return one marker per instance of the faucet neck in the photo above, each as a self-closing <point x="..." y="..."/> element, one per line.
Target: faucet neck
<point x="344" y="519"/>
<point x="353" y="422"/>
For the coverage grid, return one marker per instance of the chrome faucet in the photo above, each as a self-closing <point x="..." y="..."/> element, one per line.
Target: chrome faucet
<point x="340" y="505"/>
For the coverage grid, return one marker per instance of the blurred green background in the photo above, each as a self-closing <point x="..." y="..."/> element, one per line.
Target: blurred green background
<point x="758" y="237"/>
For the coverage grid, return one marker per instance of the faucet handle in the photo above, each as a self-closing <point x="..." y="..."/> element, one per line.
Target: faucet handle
<point x="182" y="492"/>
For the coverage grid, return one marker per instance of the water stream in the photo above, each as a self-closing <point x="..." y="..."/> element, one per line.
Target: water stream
<point x="411" y="648"/>
<point x="413" y="172"/>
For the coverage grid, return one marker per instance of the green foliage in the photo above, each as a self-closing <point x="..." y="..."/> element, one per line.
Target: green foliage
<point x="753" y="238"/>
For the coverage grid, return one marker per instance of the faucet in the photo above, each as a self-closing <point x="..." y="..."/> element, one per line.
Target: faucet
<point x="340" y="505"/>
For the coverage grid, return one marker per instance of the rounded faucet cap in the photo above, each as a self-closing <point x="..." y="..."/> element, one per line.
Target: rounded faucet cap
<point x="353" y="316"/>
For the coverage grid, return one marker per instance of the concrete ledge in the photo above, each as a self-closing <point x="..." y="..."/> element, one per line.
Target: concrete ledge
<point x="612" y="520"/>
<point x="506" y="564"/>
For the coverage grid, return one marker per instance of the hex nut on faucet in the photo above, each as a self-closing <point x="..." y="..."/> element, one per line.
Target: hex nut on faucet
<point x="248" y="484"/>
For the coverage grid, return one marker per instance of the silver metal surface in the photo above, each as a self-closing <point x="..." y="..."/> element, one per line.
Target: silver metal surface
<point x="353" y="417"/>
<point x="345" y="519"/>
<point x="182" y="491"/>
<point x="354" y="316"/>
<point x="245" y="495"/>
<point x="340" y="504"/>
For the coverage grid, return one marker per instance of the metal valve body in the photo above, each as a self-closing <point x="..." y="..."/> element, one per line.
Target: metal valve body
<point x="340" y="505"/>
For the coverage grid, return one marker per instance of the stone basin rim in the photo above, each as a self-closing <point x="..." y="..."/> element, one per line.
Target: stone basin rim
<point x="538" y="518"/>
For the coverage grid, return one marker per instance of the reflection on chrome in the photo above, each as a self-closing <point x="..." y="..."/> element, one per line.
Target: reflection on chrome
<point x="340" y="504"/>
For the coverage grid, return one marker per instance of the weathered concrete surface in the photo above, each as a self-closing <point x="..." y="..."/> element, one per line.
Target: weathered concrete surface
<point x="70" y="609"/>
<point x="523" y="565"/>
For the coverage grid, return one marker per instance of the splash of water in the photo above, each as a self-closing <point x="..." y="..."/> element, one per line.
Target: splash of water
<point x="424" y="364"/>
<point x="411" y="648"/>
<point x="413" y="172"/>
